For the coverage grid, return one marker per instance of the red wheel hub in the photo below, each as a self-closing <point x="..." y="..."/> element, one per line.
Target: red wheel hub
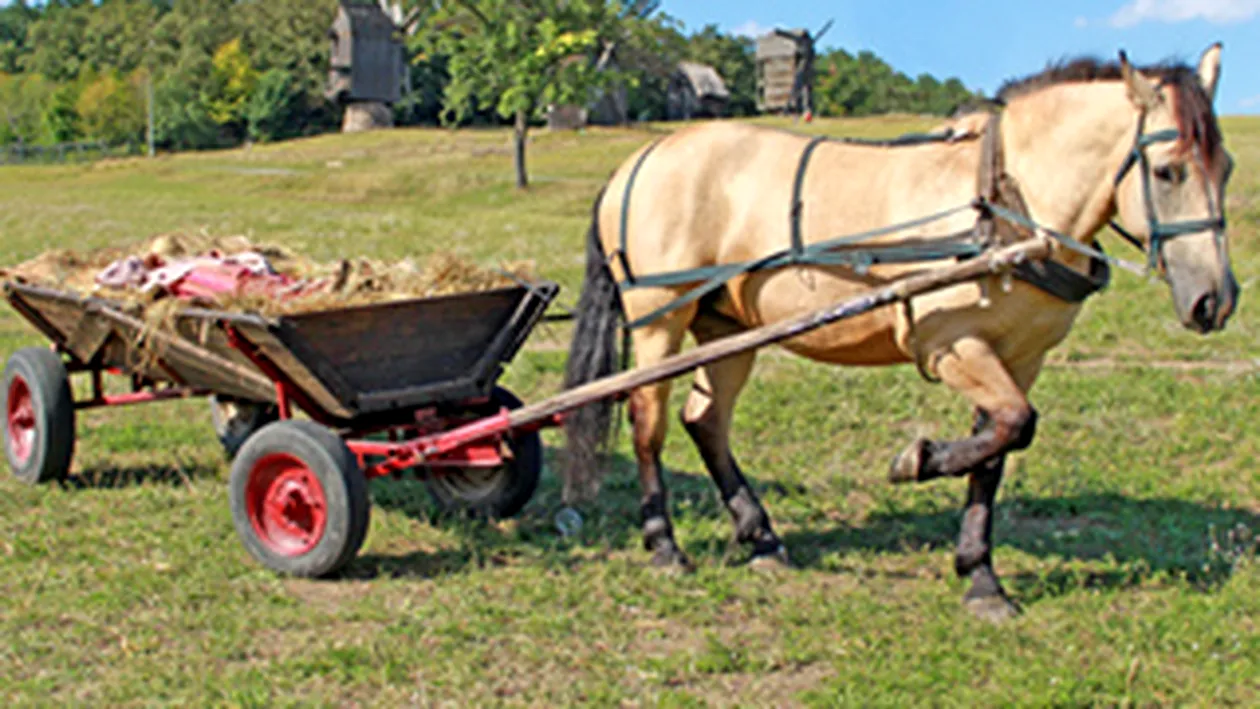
<point x="286" y="504"/>
<point x="21" y="421"/>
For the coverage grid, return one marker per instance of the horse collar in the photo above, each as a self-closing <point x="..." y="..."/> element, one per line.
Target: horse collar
<point x="997" y="187"/>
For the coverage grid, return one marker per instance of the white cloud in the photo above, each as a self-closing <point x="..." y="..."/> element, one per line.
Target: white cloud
<point x="751" y="28"/>
<point x="1221" y="12"/>
<point x="1250" y="102"/>
<point x="1080" y="22"/>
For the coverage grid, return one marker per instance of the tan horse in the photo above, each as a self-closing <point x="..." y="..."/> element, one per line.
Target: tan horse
<point x="1085" y="142"/>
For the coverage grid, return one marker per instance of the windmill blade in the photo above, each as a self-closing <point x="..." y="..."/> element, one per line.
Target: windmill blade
<point x="818" y="35"/>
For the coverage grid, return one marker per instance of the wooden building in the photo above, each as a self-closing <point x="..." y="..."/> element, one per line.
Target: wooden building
<point x="696" y="91"/>
<point x="785" y="70"/>
<point x="368" y="64"/>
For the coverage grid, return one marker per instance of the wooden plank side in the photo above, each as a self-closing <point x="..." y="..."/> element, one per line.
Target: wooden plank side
<point x="197" y="366"/>
<point x="294" y="368"/>
<point x="403" y="346"/>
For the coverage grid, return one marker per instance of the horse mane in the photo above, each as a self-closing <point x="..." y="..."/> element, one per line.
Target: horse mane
<point x="1196" y="119"/>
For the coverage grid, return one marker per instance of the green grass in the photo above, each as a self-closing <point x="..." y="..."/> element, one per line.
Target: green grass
<point x="1127" y="531"/>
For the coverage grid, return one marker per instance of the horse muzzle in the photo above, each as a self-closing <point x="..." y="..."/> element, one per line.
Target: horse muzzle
<point x="1207" y="310"/>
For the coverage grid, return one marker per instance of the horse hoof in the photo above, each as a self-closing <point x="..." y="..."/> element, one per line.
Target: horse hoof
<point x="907" y="466"/>
<point x="773" y="561"/>
<point x="671" y="562"/>
<point x="996" y="609"/>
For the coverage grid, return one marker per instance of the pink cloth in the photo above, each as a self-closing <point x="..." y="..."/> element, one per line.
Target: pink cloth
<point x="205" y="277"/>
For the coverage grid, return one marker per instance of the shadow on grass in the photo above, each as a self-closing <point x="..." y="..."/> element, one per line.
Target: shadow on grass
<point x="117" y="478"/>
<point x="1102" y="540"/>
<point x="1105" y="540"/>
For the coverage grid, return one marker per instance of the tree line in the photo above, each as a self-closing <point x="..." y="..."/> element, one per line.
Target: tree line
<point x="219" y="72"/>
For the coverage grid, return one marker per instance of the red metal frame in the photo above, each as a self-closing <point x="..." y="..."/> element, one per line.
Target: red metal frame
<point x="142" y="391"/>
<point x="434" y="442"/>
<point x="433" y="445"/>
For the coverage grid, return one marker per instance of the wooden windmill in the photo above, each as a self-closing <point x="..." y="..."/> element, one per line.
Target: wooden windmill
<point x="785" y="70"/>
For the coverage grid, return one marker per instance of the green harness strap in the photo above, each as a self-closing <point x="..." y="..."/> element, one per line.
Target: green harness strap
<point x="1053" y="278"/>
<point x="798" y="205"/>
<point x="622" y="250"/>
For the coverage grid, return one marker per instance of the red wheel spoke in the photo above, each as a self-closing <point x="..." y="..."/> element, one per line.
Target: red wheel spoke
<point x="286" y="504"/>
<point x="21" y="420"/>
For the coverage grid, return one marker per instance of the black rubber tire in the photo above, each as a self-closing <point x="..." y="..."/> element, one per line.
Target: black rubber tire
<point x="500" y="493"/>
<point x="52" y="406"/>
<point x="236" y="421"/>
<point x="344" y="487"/>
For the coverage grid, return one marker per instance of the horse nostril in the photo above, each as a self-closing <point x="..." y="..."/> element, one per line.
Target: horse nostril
<point x="1204" y="313"/>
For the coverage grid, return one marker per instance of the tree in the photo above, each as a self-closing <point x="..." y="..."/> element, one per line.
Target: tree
<point x="55" y="41"/>
<point x="291" y="37"/>
<point x="232" y="80"/>
<point x="519" y="57"/>
<point x="61" y="114"/>
<point x="180" y="118"/>
<point x="14" y="21"/>
<point x="116" y="35"/>
<point x="111" y="109"/>
<point x="274" y="106"/>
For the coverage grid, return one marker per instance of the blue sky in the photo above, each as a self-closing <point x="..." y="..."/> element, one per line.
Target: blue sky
<point x="984" y="42"/>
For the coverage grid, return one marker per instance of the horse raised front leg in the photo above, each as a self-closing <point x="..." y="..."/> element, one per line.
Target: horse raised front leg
<point x="707" y="418"/>
<point x="973" y="370"/>
<point x="1005" y="422"/>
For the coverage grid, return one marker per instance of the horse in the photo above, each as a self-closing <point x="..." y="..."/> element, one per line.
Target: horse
<point x="1074" y="147"/>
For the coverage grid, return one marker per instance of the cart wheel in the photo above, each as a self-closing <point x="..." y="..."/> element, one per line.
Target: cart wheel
<point x="494" y="492"/>
<point x="299" y="500"/>
<point x="39" y="416"/>
<point x="235" y="421"/>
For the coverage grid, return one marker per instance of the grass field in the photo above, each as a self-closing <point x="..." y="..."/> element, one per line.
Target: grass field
<point x="1126" y="532"/>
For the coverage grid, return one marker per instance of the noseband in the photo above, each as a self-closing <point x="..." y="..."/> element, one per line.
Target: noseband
<point x="1162" y="232"/>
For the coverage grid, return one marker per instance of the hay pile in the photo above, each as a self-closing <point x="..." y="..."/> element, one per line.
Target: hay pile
<point x="322" y="286"/>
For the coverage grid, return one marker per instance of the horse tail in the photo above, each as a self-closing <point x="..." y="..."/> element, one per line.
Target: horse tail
<point x="592" y="355"/>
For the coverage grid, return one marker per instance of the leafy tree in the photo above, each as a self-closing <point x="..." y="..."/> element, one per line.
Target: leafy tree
<point x="14" y="21"/>
<point x="422" y="96"/>
<point x="274" y="106"/>
<point x="61" y="114"/>
<point x="181" y="121"/>
<point x="519" y="57"/>
<point x="55" y="41"/>
<point x="22" y="100"/>
<point x="291" y="36"/>
<point x="111" y="109"/>
<point x="232" y="80"/>
<point x="116" y="35"/>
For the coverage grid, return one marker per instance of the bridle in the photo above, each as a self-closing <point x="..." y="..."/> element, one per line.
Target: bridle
<point x="1163" y="232"/>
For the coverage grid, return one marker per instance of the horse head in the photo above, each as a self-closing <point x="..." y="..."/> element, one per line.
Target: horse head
<point x="1091" y="142"/>
<point x="1170" y="189"/>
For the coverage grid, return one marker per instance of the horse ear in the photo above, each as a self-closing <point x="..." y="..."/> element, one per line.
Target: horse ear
<point x="1210" y="70"/>
<point x="1141" y="91"/>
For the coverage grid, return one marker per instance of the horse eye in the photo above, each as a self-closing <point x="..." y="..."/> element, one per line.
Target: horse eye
<point x="1170" y="173"/>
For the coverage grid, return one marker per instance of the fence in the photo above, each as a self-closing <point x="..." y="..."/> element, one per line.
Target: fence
<point x="21" y="154"/>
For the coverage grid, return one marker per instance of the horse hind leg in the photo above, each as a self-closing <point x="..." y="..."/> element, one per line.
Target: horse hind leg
<point x="648" y="404"/>
<point x="707" y="418"/>
<point x="1005" y="422"/>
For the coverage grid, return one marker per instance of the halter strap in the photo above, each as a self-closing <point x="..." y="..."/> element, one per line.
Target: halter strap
<point x="1159" y="232"/>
